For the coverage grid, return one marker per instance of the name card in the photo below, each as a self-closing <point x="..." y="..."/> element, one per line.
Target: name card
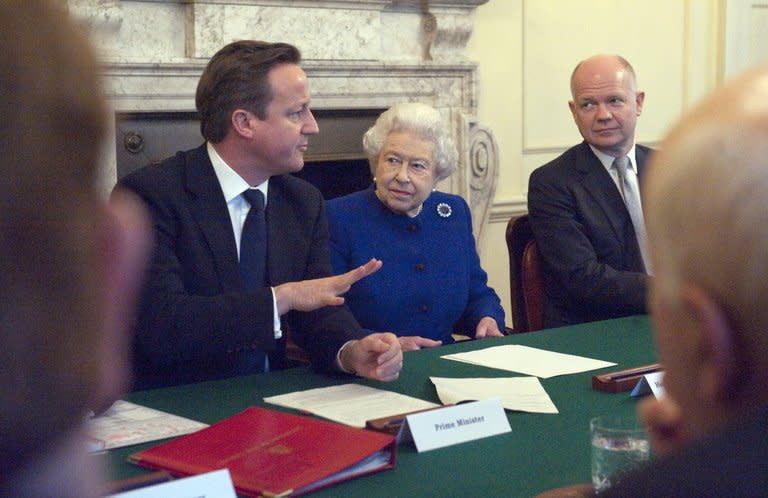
<point x="216" y="484"/>
<point x="456" y="424"/>
<point x="651" y="383"/>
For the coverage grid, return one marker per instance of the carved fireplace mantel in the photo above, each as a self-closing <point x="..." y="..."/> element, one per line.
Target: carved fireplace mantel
<point x="359" y="54"/>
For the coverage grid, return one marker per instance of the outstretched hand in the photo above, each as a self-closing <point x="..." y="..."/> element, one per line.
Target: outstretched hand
<point x="376" y="356"/>
<point x="309" y="295"/>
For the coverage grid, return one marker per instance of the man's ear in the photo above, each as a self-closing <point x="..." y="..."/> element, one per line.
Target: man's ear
<point x="242" y="122"/>
<point x="719" y="367"/>
<point x="639" y="99"/>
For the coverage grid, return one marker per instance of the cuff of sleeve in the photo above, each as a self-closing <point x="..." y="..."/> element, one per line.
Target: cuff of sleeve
<point x="339" y="365"/>
<point x="276" y="316"/>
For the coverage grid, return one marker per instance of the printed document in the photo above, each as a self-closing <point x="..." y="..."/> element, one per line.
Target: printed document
<point x="350" y="404"/>
<point x="529" y="361"/>
<point x="524" y="394"/>
<point x="126" y="423"/>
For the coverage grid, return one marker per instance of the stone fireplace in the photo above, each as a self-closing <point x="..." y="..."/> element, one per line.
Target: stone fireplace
<point x="360" y="55"/>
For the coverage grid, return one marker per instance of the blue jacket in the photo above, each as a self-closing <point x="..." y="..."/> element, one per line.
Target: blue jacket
<point x="431" y="283"/>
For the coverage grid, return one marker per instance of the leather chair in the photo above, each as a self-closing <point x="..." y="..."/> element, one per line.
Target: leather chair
<point x="525" y="277"/>
<point x="295" y="356"/>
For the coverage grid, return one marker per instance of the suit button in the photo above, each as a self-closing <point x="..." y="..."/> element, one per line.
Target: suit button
<point x="424" y="308"/>
<point x="420" y="267"/>
<point x="411" y="228"/>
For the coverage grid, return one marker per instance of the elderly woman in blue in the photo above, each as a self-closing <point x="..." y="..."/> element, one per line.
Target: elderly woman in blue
<point x="431" y="283"/>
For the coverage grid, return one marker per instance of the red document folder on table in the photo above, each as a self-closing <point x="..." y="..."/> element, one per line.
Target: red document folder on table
<point x="274" y="453"/>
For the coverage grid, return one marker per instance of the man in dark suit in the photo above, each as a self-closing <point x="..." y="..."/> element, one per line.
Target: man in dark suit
<point x="707" y="193"/>
<point x="585" y="210"/>
<point x="200" y="318"/>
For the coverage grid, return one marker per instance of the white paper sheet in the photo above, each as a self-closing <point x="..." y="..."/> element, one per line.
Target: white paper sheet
<point x="456" y="424"/>
<point x="350" y="404"/>
<point x="525" y="394"/>
<point x="652" y="383"/>
<point x="216" y="484"/>
<point x="529" y="361"/>
<point x="127" y="423"/>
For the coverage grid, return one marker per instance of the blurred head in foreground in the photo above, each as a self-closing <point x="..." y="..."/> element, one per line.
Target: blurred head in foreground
<point x="68" y="261"/>
<point x="707" y="212"/>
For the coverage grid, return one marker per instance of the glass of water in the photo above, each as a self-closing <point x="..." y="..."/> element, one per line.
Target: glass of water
<point x="619" y="444"/>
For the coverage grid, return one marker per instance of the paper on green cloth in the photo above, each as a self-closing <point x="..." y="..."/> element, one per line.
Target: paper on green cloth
<point x="525" y="394"/>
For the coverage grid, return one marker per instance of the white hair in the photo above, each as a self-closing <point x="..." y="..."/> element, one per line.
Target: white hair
<point x="416" y="118"/>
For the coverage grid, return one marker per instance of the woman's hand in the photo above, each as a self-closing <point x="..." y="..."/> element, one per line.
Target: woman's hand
<point x="412" y="343"/>
<point x="487" y="327"/>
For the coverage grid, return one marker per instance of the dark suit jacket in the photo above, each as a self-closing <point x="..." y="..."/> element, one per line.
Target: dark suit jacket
<point x="731" y="462"/>
<point x="195" y="316"/>
<point x="592" y="265"/>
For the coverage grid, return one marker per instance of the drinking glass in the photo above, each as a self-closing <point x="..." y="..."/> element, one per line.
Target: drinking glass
<point x="619" y="444"/>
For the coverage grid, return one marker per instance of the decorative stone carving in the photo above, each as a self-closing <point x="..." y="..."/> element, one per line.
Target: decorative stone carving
<point x="484" y="174"/>
<point x="428" y="29"/>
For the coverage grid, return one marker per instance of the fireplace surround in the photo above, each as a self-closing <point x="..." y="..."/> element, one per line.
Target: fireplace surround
<point x="335" y="161"/>
<point x="359" y="55"/>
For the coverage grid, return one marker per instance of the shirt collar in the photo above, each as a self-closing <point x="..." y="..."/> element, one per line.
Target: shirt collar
<point x="232" y="184"/>
<point x="607" y="160"/>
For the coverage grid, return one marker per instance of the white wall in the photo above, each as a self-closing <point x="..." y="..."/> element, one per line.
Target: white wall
<point x="746" y="34"/>
<point x="526" y="50"/>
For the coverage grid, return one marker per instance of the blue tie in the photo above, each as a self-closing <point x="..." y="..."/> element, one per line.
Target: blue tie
<point x="253" y="262"/>
<point x="253" y="242"/>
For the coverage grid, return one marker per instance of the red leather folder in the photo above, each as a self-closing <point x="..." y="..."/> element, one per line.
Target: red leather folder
<point x="273" y="453"/>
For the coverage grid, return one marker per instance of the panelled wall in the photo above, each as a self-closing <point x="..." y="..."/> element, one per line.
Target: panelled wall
<point x="526" y="50"/>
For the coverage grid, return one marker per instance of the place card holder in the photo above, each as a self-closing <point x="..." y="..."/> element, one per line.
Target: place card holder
<point x="393" y="423"/>
<point x="443" y="426"/>
<point x="622" y="380"/>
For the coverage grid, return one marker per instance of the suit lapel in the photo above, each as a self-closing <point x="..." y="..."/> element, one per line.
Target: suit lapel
<point x="209" y="209"/>
<point x="641" y="155"/>
<point x="281" y="232"/>
<point x="602" y="189"/>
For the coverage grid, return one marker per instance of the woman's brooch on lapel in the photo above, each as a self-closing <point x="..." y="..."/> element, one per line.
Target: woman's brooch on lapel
<point x="444" y="210"/>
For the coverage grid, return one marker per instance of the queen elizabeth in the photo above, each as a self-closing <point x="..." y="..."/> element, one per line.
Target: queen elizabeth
<point x="431" y="284"/>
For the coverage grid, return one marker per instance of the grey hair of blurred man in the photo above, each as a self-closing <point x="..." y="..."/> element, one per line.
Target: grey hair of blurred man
<point x="706" y="202"/>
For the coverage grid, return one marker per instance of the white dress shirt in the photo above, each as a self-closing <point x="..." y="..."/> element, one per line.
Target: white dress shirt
<point x="233" y="186"/>
<point x="607" y="162"/>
